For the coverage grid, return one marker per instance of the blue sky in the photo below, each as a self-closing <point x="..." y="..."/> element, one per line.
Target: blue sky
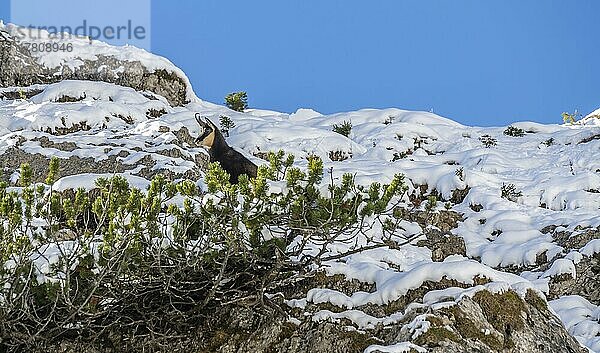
<point x="477" y="62"/>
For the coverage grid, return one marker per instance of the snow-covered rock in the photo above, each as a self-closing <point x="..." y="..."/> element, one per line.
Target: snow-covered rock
<point x="83" y="59"/>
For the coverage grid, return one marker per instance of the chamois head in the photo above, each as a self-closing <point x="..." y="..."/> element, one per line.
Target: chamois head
<point x="208" y="132"/>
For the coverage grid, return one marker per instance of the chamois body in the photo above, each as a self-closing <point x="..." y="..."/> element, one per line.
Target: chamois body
<point x="231" y="160"/>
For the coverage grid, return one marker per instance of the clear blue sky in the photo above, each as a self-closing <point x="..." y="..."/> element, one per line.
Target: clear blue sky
<point x="477" y="62"/>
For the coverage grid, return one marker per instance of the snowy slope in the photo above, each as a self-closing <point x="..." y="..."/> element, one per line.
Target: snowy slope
<point x="556" y="167"/>
<point x="516" y="243"/>
<point x="106" y="120"/>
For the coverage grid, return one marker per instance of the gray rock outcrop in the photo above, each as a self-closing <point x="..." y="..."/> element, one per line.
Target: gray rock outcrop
<point x="18" y="67"/>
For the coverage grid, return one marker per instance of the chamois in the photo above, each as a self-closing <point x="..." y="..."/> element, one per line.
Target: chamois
<point x="219" y="151"/>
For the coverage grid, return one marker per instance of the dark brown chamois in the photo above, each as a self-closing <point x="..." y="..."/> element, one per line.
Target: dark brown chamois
<point x="219" y="151"/>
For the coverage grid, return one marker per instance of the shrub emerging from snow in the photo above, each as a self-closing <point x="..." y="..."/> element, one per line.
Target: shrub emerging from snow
<point x="345" y="128"/>
<point x="338" y="156"/>
<point x="549" y="142"/>
<point x="514" y="131"/>
<point x="510" y="192"/>
<point x="570" y="118"/>
<point x="401" y="155"/>
<point x="431" y="204"/>
<point x="488" y="141"/>
<point x="460" y="173"/>
<point x="237" y="101"/>
<point x="390" y="119"/>
<point x="90" y="264"/>
<point x="226" y="124"/>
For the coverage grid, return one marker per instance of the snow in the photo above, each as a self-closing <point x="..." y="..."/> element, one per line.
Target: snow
<point x="581" y="318"/>
<point x="392" y="284"/>
<point x="304" y="114"/>
<point x="592" y="118"/>
<point x="105" y="106"/>
<point x="294" y="321"/>
<point x="418" y="326"/>
<point x="557" y="180"/>
<point x="87" y="181"/>
<point x="89" y="90"/>
<point x="401" y="347"/>
<point x="559" y="267"/>
<point x="357" y="317"/>
<point x="591" y="248"/>
<point x="560" y="177"/>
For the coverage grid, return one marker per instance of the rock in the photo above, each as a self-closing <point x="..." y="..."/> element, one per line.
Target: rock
<point x="574" y="241"/>
<point x="18" y="67"/>
<point x="487" y="322"/>
<point x="444" y="220"/>
<point x="243" y="330"/>
<point x="483" y="322"/>
<point x="476" y="207"/>
<point x="443" y="244"/>
<point x="586" y="283"/>
<point x="459" y="195"/>
<point x="12" y="159"/>
<point x="496" y="322"/>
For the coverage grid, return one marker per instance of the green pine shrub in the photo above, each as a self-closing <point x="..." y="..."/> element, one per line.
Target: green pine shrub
<point x="460" y="173"/>
<point x="431" y="203"/>
<point x="549" y="142"/>
<point x="237" y="101"/>
<point x="226" y="124"/>
<point x="514" y="131"/>
<point x="510" y="192"/>
<point x="88" y="265"/>
<point x="488" y="141"/>
<point x="570" y="118"/>
<point x="345" y="128"/>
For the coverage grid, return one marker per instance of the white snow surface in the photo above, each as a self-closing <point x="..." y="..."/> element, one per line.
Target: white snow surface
<point x="581" y="318"/>
<point x="87" y="181"/>
<point x="395" y="348"/>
